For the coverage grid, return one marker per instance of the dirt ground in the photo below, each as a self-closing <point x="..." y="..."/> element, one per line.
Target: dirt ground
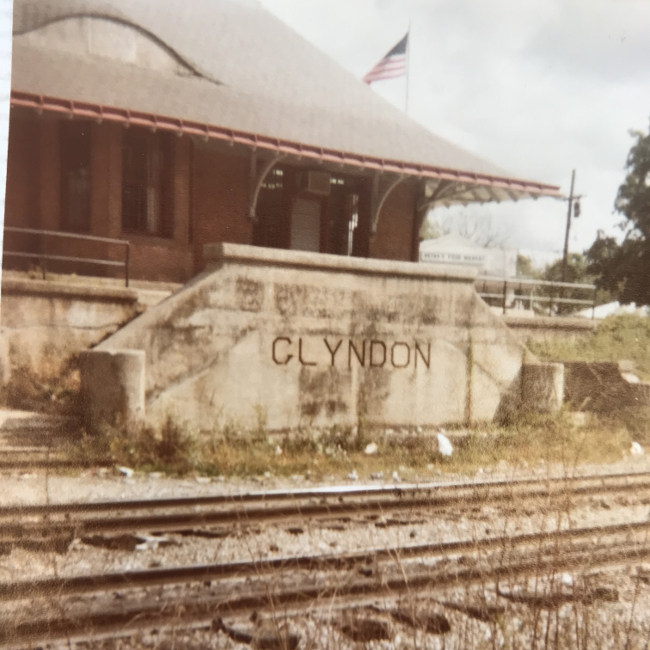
<point x="619" y="624"/>
<point x="38" y="487"/>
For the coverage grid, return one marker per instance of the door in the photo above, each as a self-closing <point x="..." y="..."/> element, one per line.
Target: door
<point x="305" y="225"/>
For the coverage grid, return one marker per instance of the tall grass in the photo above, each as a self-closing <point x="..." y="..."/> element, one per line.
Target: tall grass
<point x="171" y="447"/>
<point x="337" y="451"/>
<point x="618" y="337"/>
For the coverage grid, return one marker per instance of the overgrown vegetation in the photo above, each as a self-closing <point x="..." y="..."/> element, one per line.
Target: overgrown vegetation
<point x="170" y="448"/>
<point x="618" y="337"/>
<point x="230" y="451"/>
<point x="623" y="268"/>
<point x="58" y="394"/>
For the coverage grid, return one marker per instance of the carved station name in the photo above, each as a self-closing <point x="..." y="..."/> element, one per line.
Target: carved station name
<point x="371" y="353"/>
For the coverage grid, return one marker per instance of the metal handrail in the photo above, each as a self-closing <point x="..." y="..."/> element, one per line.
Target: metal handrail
<point x="512" y="283"/>
<point x="544" y="283"/>
<point x="43" y="256"/>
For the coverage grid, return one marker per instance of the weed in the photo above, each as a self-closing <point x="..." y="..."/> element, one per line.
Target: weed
<point x="29" y="392"/>
<point x="617" y="337"/>
<point x="170" y="447"/>
<point x="229" y="450"/>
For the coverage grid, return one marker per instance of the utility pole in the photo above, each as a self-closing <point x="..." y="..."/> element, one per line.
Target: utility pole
<point x="565" y="259"/>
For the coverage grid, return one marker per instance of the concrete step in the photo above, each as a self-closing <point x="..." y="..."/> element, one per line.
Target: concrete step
<point x="14" y="420"/>
<point x="29" y="439"/>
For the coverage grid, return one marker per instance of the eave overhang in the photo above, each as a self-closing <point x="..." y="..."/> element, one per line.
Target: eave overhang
<point x="442" y="186"/>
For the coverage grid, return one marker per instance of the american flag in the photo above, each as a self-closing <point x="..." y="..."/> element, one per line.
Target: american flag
<point x="392" y="65"/>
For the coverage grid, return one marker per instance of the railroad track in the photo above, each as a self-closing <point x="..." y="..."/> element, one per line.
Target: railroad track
<point x="54" y="526"/>
<point x="293" y="585"/>
<point x="24" y="458"/>
<point x="31" y="463"/>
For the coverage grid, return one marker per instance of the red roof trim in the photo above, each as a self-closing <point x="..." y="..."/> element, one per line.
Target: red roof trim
<point x="150" y="120"/>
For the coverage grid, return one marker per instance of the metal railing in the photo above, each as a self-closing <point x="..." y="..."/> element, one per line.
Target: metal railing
<point x="555" y="296"/>
<point x="44" y="256"/>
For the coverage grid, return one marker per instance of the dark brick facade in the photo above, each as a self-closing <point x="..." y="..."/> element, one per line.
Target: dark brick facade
<point x="208" y="198"/>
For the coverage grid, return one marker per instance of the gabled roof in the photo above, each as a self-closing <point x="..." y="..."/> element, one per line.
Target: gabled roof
<point x="249" y="78"/>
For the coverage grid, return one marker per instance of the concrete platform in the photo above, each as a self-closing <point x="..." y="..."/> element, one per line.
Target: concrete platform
<point x="285" y="340"/>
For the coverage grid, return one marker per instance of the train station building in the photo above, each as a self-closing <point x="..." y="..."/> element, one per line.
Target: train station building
<point x="237" y="160"/>
<point x="173" y="126"/>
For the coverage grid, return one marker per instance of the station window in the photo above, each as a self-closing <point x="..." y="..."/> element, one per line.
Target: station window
<point x="75" y="175"/>
<point x="274" y="180"/>
<point x="147" y="183"/>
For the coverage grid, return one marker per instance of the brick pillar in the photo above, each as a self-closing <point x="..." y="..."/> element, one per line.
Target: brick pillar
<point x="50" y="175"/>
<point x="114" y="198"/>
<point x="106" y="194"/>
<point x="100" y="175"/>
<point x="419" y="215"/>
<point x="181" y="201"/>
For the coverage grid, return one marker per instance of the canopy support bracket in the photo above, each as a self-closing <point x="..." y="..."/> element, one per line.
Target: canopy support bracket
<point x="379" y="196"/>
<point x="257" y="179"/>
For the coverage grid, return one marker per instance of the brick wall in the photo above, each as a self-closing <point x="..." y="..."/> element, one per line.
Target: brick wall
<point x="160" y="258"/>
<point x="395" y="228"/>
<point x="21" y="201"/>
<point x="34" y="200"/>
<point x="220" y="200"/>
<point x="22" y="195"/>
<point x="49" y="173"/>
<point x="209" y="195"/>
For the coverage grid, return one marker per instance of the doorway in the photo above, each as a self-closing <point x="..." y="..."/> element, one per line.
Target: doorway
<point x="306" y="225"/>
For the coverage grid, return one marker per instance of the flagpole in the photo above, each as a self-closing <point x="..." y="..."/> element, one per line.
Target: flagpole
<point x="408" y="67"/>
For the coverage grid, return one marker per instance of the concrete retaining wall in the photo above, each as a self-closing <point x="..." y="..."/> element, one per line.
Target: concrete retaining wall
<point x="545" y="328"/>
<point x="542" y="387"/>
<point x="301" y="339"/>
<point x="604" y="386"/>
<point x="45" y="324"/>
<point x="112" y="387"/>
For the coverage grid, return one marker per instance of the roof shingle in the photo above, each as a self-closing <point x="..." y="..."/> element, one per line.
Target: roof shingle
<point x="252" y="73"/>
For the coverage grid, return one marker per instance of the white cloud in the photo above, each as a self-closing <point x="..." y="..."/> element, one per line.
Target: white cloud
<point x="538" y="87"/>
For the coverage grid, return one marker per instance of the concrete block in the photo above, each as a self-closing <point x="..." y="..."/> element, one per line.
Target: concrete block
<point x="542" y="387"/>
<point x="112" y="387"/>
<point x="604" y="386"/>
<point x="313" y="340"/>
<point x="626" y="366"/>
<point x="542" y="329"/>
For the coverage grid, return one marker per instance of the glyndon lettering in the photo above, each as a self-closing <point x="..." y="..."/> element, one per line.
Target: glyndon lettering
<point x="342" y="353"/>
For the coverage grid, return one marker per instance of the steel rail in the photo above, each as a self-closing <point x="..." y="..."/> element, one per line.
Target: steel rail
<point x="397" y="491"/>
<point x="63" y="586"/>
<point x="206" y="607"/>
<point x="16" y="532"/>
<point x="49" y="463"/>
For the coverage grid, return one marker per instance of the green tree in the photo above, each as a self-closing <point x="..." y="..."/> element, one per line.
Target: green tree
<point x="525" y="267"/>
<point x="624" y="269"/>
<point x="576" y="270"/>
<point x="604" y="260"/>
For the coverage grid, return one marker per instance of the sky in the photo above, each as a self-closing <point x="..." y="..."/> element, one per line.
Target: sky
<point x="539" y="87"/>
